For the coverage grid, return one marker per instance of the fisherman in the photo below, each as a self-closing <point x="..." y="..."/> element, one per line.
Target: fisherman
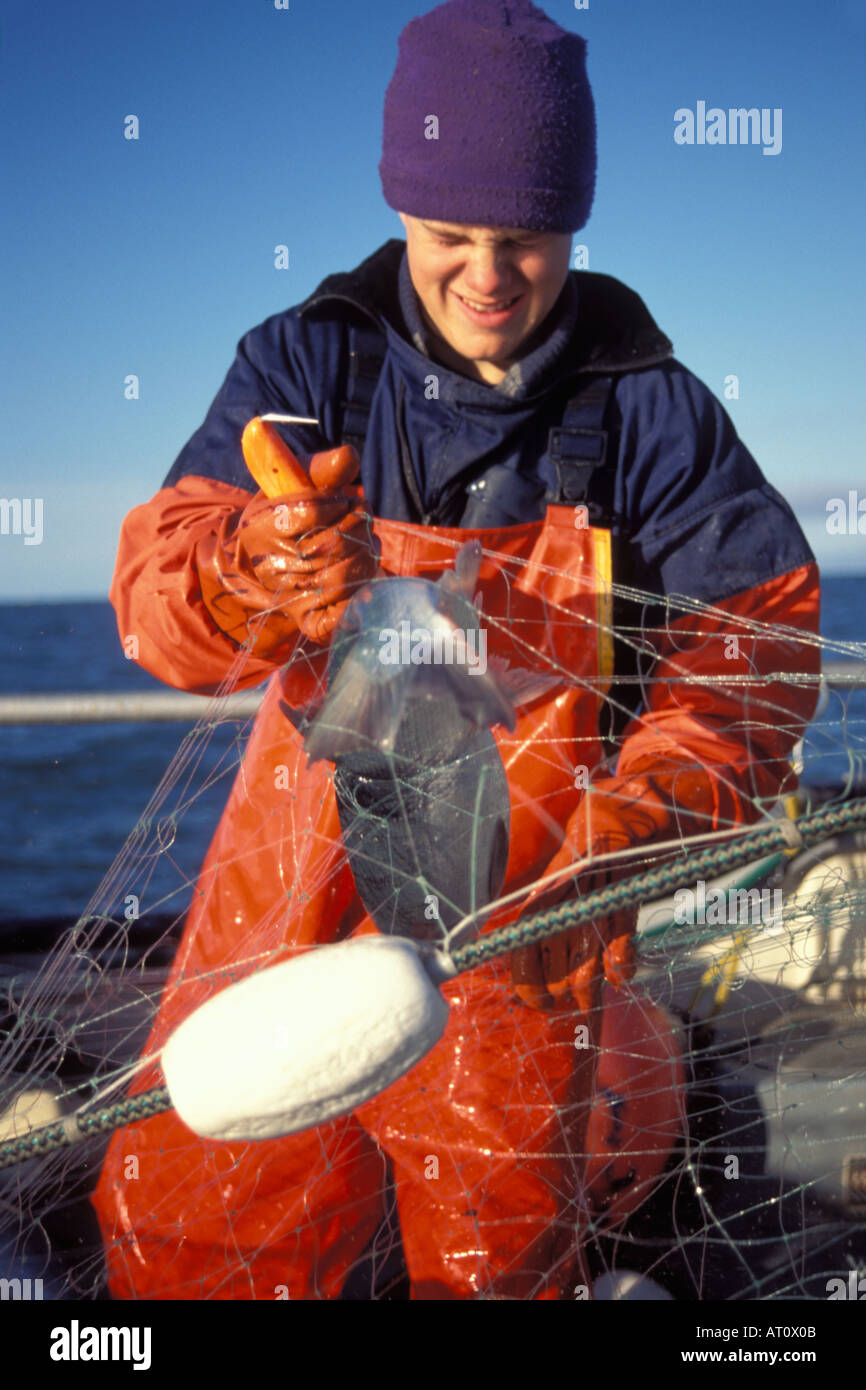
<point x="492" y="392"/>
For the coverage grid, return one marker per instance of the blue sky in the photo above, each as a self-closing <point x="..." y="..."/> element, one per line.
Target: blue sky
<point x="261" y="126"/>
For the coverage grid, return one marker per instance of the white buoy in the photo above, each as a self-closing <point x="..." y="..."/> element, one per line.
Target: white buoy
<point x="30" y="1110"/>
<point x="300" y="1043"/>
<point x="627" y="1286"/>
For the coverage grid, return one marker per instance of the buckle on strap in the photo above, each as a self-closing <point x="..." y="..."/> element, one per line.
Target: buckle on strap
<point x="575" y="453"/>
<point x="580" y="445"/>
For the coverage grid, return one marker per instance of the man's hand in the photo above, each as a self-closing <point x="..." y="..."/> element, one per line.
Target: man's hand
<point x="311" y="552"/>
<point x="615" y="814"/>
<point x="291" y="564"/>
<point x="562" y="969"/>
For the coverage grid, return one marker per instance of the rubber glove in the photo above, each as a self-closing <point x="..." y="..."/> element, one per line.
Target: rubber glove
<point x="288" y="566"/>
<point x="613" y="815"/>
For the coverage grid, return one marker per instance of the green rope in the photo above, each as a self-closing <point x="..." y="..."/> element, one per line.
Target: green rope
<point x="655" y="883"/>
<point x="73" y="1129"/>
<point x="658" y="883"/>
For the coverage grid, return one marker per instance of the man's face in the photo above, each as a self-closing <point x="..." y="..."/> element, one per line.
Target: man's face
<point x="484" y="290"/>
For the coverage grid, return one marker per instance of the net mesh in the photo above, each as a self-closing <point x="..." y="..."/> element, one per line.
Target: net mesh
<point x="728" y="1133"/>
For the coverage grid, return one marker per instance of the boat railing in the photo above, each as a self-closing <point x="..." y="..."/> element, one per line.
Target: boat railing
<point x="139" y="707"/>
<point x="170" y="706"/>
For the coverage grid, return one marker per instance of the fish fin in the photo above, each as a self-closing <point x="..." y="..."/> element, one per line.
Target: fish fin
<point x="522" y="685"/>
<point x="467" y="563"/>
<point x="481" y="697"/>
<point x="357" y="715"/>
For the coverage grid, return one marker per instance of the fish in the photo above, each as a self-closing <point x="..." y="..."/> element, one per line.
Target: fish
<point x="422" y="795"/>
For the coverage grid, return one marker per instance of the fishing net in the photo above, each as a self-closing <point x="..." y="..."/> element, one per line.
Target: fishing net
<point x="728" y="1132"/>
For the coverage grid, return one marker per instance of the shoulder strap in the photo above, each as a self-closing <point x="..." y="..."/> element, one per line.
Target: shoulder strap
<point x="579" y="445"/>
<point x="367" y="346"/>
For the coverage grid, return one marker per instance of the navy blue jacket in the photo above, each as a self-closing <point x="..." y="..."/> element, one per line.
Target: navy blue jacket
<point x="688" y="508"/>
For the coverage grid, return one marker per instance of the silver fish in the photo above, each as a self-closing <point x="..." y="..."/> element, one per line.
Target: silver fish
<point x="421" y="790"/>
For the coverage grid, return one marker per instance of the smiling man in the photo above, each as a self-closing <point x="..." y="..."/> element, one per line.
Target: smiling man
<point x="484" y="291"/>
<point x="491" y="392"/>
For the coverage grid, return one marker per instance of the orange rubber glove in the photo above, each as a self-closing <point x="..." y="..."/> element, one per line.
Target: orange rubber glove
<point x="286" y="566"/>
<point x="615" y="814"/>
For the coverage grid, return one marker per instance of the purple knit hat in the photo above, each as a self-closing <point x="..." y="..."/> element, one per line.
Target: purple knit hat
<point x="516" y="120"/>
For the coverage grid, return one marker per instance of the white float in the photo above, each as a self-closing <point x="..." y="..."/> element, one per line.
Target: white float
<point x="30" y="1110"/>
<point x="302" y="1042"/>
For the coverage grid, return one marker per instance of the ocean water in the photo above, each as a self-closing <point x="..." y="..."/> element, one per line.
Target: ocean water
<point x="70" y="796"/>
